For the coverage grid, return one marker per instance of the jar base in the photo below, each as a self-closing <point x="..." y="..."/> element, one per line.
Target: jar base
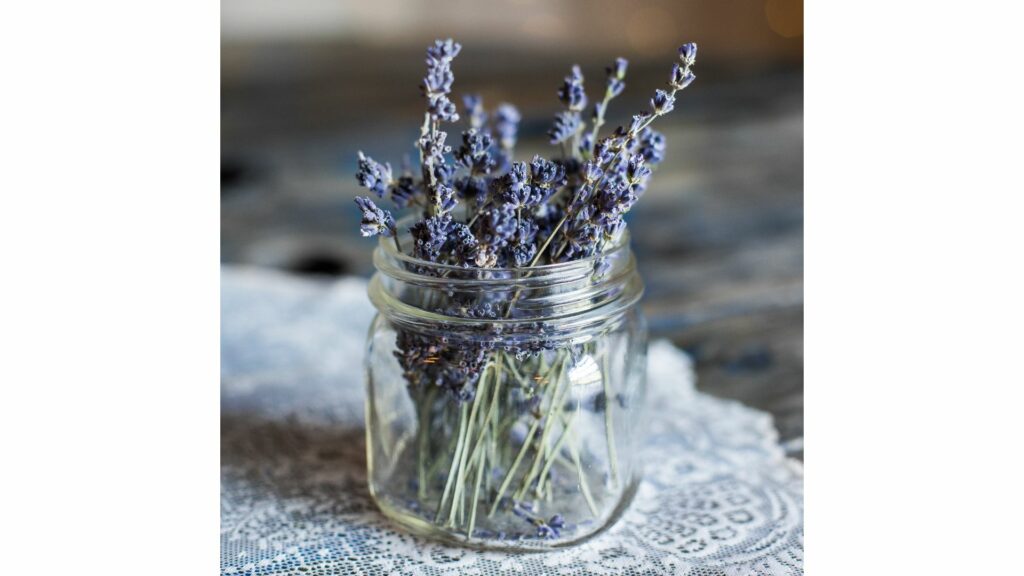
<point x="409" y="521"/>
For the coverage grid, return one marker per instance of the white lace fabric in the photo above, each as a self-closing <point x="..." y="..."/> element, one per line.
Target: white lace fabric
<point x="719" y="497"/>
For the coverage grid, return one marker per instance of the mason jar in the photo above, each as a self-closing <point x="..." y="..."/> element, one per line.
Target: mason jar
<point x="504" y="406"/>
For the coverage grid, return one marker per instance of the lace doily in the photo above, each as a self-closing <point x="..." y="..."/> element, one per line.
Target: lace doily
<point x="718" y="497"/>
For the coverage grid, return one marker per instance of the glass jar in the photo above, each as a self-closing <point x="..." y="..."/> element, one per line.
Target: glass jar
<point x="504" y="407"/>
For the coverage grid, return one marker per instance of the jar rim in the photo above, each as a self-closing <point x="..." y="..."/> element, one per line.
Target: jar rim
<point x="499" y="274"/>
<point x="572" y="298"/>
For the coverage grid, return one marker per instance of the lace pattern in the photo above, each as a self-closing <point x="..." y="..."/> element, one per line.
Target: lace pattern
<point x="719" y="497"/>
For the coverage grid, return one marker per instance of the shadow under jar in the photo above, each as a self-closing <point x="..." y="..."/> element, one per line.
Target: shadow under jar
<point x="504" y="407"/>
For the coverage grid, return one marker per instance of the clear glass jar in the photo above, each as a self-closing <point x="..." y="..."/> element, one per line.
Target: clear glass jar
<point x="504" y="407"/>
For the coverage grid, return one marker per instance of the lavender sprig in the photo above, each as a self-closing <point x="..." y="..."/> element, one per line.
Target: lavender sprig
<point x="376" y="221"/>
<point x="568" y="124"/>
<point x="506" y="124"/>
<point x="614" y="85"/>
<point x="373" y="175"/>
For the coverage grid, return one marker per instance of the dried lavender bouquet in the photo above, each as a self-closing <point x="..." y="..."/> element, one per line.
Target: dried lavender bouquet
<point x="502" y="448"/>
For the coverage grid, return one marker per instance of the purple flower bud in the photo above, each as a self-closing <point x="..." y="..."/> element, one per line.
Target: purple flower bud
<point x="475" y="108"/>
<point x="663" y="102"/>
<point x="404" y="191"/>
<point x="688" y="53"/>
<point x="681" y="77"/>
<point x="571" y="92"/>
<point x="443" y="109"/>
<point x="603" y="152"/>
<point x="618" y="69"/>
<point x="638" y="121"/>
<point x="475" y="151"/>
<point x="464" y="244"/>
<point x="374" y="221"/>
<point x="567" y="124"/>
<point x="591" y="171"/>
<point x="636" y="172"/>
<point x="506" y="123"/>
<point x="546" y="174"/>
<point x="615" y="87"/>
<point x="430" y="236"/>
<point x="444" y="50"/>
<point x="496" y="226"/>
<point x="373" y="175"/>
<point x="586" y="143"/>
<point x="652" y="146"/>
<point x="442" y="197"/>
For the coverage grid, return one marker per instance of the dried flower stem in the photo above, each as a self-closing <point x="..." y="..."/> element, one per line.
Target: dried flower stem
<point x="456" y="459"/>
<point x="461" y="473"/>
<point x="609" y="431"/>
<point x="476" y="494"/>
<point x="566" y="429"/>
<point x="554" y="406"/>
<point x="584" y="488"/>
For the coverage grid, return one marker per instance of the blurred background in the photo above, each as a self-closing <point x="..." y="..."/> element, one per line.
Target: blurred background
<point x="718" y="236"/>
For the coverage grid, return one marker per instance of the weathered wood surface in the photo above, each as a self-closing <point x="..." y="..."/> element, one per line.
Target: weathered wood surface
<point x="719" y="236"/>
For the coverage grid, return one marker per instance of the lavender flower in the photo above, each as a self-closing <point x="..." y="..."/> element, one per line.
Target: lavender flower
<point x="688" y="53"/>
<point x="636" y="172"/>
<point x="639" y="120"/>
<point x="430" y="235"/>
<point x="464" y="244"/>
<point x="427" y="361"/>
<point x="506" y="123"/>
<point x="552" y="528"/>
<point x="475" y="108"/>
<point x="616" y="73"/>
<point x="494" y="229"/>
<point x="433" y="147"/>
<point x="652" y="146"/>
<point x="567" y="124"/>
<point x="405" y="191"/>
<point x="663" y="102"/>
<point x="373" y="175"/>
<point x="475" y="151"/>
<point x="591" y="171"/>
<point x="547" y="176"/>
<point x="571" y="92"/>
<point x="523" y="245"/>
<point x="545" y="529"/>
<point x="375" y="221"/>
<point x="515" y="186"/>
<point x="472" y="189"/>
<point x="444" y="173"/>
<point x="442" y="198"/>
<point x="437" y="83"/>
<point x="681" y="77"/>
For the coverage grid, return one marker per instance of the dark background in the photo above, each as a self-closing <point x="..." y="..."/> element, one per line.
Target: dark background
<point x="719" y="234"/>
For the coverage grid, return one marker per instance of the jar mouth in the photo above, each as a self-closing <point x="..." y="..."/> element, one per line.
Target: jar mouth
<point x="553" y="301"/>
<point x="386" y="249"/>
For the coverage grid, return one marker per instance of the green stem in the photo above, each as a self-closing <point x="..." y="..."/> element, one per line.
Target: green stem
<point x="609" y="431"/>
<point x="491" y="410"/>
<point x="574" y="452"/>
<point x="476" y="494"/>
<point x="599" y="121"/>
<point x="458" y="496"/>
<point x="554" y="453"/>
<point x="549" y="419"/>
<point x="424" y="433"/>
<point x="455" y="463"/>
<point x="512" y="470"/>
